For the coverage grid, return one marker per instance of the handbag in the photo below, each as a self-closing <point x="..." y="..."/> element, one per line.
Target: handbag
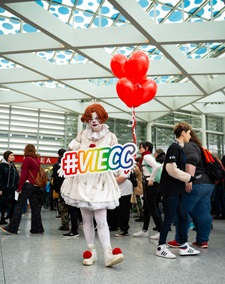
<point x="55" y="195"/>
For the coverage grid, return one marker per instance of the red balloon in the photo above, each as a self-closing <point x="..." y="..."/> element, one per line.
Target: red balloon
<point x="117" y="65"/>
<point x="150" y="89"/>
<point x="139" y="91"/>
<point x="126" y="92"/>
<point x="136" y="67"/>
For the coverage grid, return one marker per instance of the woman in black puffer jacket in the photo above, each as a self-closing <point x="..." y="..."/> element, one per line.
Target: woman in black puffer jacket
<point x="9" y="179"/>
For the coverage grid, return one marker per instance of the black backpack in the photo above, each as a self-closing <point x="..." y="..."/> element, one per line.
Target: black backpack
<point x="212" y="165"/>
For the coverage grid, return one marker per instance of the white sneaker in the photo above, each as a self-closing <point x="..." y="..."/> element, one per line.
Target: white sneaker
<point x="112" y="259"/>
<point x="93" y="256"/>
<point x="141" y="234"/>
<point x="163" y="251"/>
<point x="186" y="249"/>
<point x="155" y="237"/>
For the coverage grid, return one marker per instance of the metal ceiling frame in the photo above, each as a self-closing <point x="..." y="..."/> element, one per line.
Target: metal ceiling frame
<point x="201" y="88"/>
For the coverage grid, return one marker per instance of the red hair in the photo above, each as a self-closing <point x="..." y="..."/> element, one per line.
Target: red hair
<point x="101" y="112"/>
<point x="30" y="151"/>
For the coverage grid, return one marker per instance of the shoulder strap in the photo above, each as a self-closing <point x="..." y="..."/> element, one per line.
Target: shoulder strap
<point x="35" y="162"/>
<point x="30" y="171"/>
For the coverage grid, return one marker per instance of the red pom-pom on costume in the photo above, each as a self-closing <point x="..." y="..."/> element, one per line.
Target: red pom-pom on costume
<point x="87" y="254"/>
<point x="116" y="251"/>
<point x="92" y="146"/>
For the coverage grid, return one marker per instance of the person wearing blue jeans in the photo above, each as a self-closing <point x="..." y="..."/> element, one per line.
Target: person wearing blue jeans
<point x="172" y="187"/>
<point x="197" y="199"/>
<point x="198" y="205"/>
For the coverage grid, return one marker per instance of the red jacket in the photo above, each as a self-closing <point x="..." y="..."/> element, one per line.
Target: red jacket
<point x="29" y="164"/>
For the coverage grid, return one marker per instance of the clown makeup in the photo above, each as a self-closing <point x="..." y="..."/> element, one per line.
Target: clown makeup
<point x="94" y="122"/>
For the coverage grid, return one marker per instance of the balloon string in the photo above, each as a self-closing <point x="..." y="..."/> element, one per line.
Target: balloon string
<point x="134" y="125"/>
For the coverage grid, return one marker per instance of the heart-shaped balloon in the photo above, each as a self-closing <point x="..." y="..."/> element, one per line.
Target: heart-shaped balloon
<point x="136" y="67"/>
<point x="150" y="89"/>
<point x="125" y="91"/>
<point x="117" y="65"/>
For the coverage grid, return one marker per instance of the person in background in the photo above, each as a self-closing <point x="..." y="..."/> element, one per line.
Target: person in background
<point x="159" y="155"/>
<point x="27" y="190"/>
<point x="138" y="190"/>
<point x="94" y="193"/>
<point x="218" y="198"/>
<point x="57" y="183"/>
<point x="9" y="180"/>
<point x="172" y="187"/>
<point x="47" y="195"/>
<point x="197" y="199"/>
<point x="123" y="209"/>
<point x="67" y="213"/>
<point x="150" y="190"/>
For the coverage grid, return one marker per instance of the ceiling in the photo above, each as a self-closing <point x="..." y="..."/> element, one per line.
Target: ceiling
<point x="55" y="55"/>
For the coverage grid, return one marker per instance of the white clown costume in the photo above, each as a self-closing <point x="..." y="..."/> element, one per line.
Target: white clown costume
<point x="92" y="190"/>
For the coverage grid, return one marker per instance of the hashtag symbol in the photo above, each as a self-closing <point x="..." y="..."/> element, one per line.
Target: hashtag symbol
<point x="70" y="163"/>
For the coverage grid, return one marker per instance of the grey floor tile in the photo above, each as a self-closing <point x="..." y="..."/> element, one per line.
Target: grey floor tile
<point x="50" y="259"/>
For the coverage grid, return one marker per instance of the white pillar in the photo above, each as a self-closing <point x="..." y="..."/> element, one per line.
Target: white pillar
<point x="149" y="132"/>
<point x="79" y="124"/>
<point x="203" y="131"/>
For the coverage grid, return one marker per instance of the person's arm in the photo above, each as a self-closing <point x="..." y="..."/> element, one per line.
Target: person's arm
<point x="120" y="179"/>
<point x="193" y="156"/>
<point x="75" y="143"/>
<point x="24" y="173"/>
<point x="122" y="176"/>
<point x="150" y="161"/>
<point x="174" y="172"/>
<point x="189" y="168"/>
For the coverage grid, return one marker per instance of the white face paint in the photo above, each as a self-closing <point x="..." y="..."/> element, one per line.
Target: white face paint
<point x="94" y="122"/>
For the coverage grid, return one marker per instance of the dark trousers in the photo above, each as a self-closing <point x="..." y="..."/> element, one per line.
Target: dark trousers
<point x="63" y="212"/>
<point x="30" y="192"/>
<point x="151" y="206"/>
<point x="172" y="206"/>
<point x="124" y="212"/>
<point x="74" y="217"/>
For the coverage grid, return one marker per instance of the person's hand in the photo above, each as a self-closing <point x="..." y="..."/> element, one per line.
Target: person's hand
<point x="150" y="182"/>
<point x="60" y="172"/>
<point x="188" y="187"/>
<point x="0" y="192"/>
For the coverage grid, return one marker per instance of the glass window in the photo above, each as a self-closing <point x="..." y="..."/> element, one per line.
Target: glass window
<point x="214" y="123"/>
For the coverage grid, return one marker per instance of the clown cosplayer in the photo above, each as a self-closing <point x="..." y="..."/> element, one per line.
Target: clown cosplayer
<point x="94" y="193"/>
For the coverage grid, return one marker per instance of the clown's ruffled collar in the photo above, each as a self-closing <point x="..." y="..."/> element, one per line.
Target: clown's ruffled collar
<point x="97" y="135"/>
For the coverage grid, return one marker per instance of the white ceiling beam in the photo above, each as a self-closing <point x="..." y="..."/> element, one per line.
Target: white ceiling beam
<point x="141" y="20"/>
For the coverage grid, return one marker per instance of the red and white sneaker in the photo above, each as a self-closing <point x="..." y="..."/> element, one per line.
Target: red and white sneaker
<point x="90" y="255"/>
<point x="173" y="244"/>
<point x="113" y="257"/>
<point x="203" y="245"/>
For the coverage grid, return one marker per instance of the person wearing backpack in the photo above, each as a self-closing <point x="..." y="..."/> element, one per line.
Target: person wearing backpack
<point x="149" y="168"/>
<point x="197" y="199"/>
<point x="27" y="189"/>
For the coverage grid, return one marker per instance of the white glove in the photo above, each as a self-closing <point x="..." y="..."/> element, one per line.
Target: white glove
<point x="60" y="172"/>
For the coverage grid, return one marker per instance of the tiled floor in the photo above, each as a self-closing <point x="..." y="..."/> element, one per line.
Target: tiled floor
<point x="50" y="259"/>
